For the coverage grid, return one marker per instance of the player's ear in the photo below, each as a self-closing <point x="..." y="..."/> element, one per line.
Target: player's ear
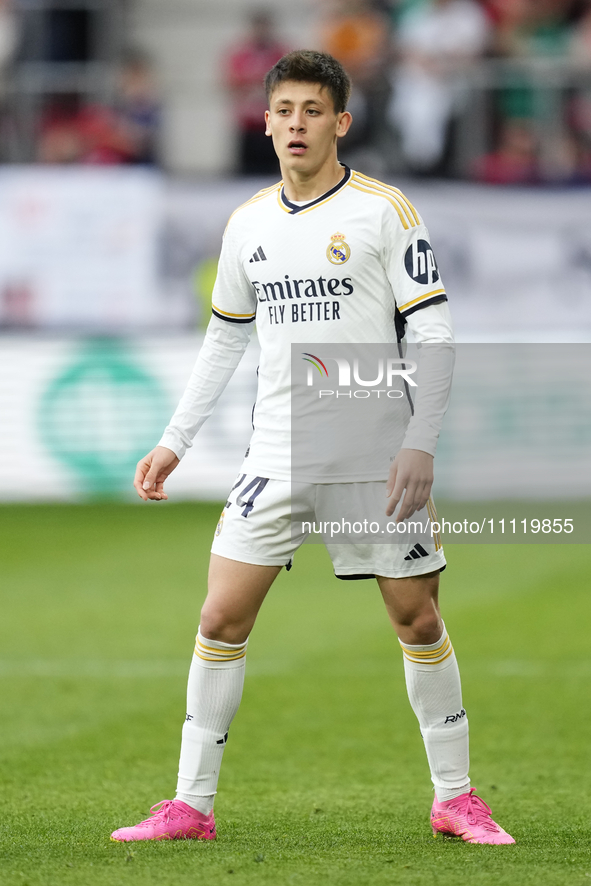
<point x="267" y="122"/>
<point x="343" y="123"/>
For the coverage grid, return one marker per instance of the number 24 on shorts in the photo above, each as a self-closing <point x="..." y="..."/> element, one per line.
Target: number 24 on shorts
<point x="255" y="487"/>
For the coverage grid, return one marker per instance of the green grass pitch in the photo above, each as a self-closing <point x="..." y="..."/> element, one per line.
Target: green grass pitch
<point x="325" y="779"/>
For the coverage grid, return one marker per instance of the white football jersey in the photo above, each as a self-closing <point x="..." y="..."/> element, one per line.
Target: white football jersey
<point x="348" y="267"/>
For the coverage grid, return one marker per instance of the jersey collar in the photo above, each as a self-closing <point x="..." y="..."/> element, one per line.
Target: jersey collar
<point x="293" y="209"/>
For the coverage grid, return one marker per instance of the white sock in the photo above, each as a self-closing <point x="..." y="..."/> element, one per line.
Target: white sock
<point x="214" y="691"/>
<point x="435" y="695"/>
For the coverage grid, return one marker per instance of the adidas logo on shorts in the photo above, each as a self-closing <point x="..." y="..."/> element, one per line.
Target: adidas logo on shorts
<point x="416" y="553"/>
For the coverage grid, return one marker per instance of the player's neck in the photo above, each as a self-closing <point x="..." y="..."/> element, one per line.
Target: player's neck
<point x="306" y="186"/>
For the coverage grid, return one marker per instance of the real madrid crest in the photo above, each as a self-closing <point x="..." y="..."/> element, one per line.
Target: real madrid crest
<point x="338" y="251"/>
<point x="220" y="525"/>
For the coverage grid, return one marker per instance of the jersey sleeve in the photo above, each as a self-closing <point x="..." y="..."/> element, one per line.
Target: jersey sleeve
<point x="411" y="266"/>
<point x="220" y="354"/>
<point x="233" y="298"/>
<point x="433" y="332"/>
<point x="228" y="334"/>
<point x="421" y="299"/>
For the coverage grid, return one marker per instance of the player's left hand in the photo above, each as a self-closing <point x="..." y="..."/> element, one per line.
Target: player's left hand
<point x="411" y="470"/>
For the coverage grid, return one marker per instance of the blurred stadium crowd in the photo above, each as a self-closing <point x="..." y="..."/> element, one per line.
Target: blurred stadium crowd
<point x="494" y="90"/>
<point x="497" y="91"/>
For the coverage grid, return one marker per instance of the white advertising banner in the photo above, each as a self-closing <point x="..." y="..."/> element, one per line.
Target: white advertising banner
<point x="79" y="248"/>
<point x="77" y="414"/>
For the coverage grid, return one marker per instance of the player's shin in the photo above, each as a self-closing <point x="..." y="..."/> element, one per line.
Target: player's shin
<point x="435" y="694"/>
<point x="216" y="679"/>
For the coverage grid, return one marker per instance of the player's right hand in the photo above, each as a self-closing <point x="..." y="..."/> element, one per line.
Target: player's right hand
<point x="152" y="471"/>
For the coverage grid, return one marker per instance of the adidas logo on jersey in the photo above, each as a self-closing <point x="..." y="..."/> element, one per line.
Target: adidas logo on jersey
<point x="416" y="553"/>
<point x="259" y="255"/>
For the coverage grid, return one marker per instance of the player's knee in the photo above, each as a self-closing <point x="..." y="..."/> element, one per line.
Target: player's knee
<point x="425" y="628"/>
<point x="216" y="624"/>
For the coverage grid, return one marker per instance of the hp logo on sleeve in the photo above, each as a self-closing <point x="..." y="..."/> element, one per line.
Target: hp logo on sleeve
<point x="420" y="263"/>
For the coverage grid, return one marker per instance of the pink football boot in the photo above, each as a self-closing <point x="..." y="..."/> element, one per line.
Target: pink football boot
<point x="467" y="817"/>
<point x="170" y="820"/>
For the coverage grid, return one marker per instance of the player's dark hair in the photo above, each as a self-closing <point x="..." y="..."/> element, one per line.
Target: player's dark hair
<point x="309" y="66"/>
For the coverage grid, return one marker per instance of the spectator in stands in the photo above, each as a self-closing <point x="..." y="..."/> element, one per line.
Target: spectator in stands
<point x="357" y="33"/>
<point x="61" y="139"/>
<point x="437" y="43"/>
<point x="74" y="132"/>
<point x="514" y="162"/>
<point x="244" y="71"/>
<point x="533" y="28"/>
<point x="510" y="19"/>
<point x="137" y="109"/>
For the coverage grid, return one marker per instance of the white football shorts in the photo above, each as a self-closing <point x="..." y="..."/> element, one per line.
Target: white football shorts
<point x="265" y="521"/>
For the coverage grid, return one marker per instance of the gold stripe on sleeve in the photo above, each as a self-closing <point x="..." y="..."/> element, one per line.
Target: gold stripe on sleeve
<point x="409" y="204"/>
<point x="415" y="301"/>
<point x="380" y="187"/>
<point x="396" y="206"/>
<point x="228" y="314"/>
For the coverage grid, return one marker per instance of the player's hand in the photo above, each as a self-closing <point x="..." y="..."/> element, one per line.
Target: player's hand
<point x="152" y="471"/>
<point x="411" y="470"/>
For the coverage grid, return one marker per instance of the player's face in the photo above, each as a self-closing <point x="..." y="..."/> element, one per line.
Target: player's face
<point x="304" y="126"/>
